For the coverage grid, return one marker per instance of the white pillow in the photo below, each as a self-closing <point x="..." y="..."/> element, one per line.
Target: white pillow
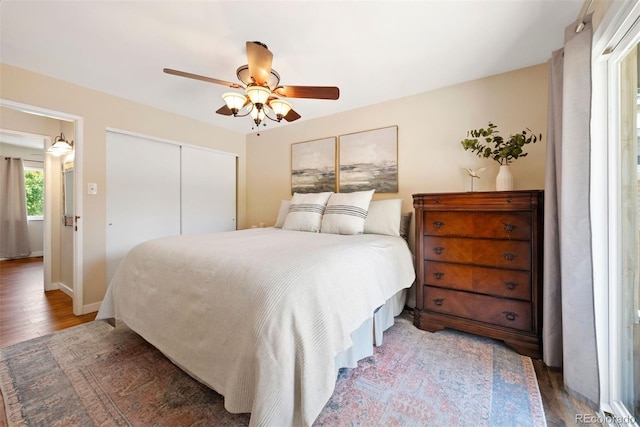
<point x="305" y="211"/>
<point x="345" y="212"/>
<point x="384" y="217"/>
<point x="282" y="213"/>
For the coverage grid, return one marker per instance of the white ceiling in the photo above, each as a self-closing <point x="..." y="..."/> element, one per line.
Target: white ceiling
<point x="373" y="51"/>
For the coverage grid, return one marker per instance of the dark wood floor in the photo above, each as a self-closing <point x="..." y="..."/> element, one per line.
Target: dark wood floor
<point x="561" y="409"/>
<point x="26" y="312"/>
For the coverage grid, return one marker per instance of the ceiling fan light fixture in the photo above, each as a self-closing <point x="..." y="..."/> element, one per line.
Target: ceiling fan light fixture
<point x="280" y="107"/>
<point x="257" y="115"/>
<point x="235" y="101"/>
<point x="263" y="94"/>
<point x="258" y="95"/>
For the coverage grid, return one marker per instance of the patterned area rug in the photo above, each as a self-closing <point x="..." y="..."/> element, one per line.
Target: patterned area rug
<point x="93" y="375"/>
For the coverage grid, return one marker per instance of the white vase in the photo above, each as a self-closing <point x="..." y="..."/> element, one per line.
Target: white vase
<point x="504" y="179"/>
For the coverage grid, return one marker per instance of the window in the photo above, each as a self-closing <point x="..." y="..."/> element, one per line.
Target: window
<point x="34" y="189"/>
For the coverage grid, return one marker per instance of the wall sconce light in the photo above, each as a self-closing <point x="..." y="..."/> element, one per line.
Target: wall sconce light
<point x="60" y="146"/>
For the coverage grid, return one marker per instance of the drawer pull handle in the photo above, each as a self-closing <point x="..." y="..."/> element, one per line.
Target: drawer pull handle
<point x="438" y="275"/>
<point x="438" y="301"/>
<point x="510" y="315"/>
<point x="508" y="227"/>
<point x="509" y="256"/>
<point x="510" y="285"/>
<point x="438" y="225"/>
<point x="438" y="250"/>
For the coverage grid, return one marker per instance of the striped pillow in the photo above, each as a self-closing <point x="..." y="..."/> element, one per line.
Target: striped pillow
<point x="346" y="212"/>
<point x="305" y="211"/>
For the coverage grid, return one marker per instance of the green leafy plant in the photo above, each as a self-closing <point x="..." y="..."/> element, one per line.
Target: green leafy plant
<point x="488" y="144"/>
<point x="34" y="189"/>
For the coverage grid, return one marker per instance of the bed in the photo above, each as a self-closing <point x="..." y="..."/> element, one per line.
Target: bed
<point x="264" y="316"/>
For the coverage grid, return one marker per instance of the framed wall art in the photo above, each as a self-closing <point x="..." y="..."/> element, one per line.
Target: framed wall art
<point x="313" y="166"/>
<point x="369" y="160"/>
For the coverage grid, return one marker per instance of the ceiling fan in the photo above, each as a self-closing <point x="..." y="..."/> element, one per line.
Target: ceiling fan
<point x="263" y="97"/>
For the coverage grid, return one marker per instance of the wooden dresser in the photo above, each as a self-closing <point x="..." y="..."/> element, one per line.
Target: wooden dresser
<point x="479" y="265"/>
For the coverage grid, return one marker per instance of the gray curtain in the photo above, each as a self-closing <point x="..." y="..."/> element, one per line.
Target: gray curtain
<point x="569" y="337"/>
<point x="14" y="233"/>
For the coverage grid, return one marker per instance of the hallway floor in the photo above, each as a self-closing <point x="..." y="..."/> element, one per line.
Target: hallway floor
<point x="26" y="310"/>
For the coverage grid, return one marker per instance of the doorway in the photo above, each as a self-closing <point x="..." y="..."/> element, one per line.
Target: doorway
<point x="53" y="219"/>
<point x="624" y="227"/>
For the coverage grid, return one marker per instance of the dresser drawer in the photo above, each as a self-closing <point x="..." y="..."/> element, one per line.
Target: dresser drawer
<point x="492" y="281"/>
<point x="499" y="225"/>
<point x="479" y="201"/>
<point x="493" y="253"/>
<point x="496" y="311"/>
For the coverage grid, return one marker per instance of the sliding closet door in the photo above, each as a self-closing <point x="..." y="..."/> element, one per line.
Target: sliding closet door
<point x="208" y="191"/>
<point x="143" y="193"/>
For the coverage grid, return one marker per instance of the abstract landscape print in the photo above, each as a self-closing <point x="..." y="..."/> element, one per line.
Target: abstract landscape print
<point x="369" y="160"/>
<point x="313" y="166"/>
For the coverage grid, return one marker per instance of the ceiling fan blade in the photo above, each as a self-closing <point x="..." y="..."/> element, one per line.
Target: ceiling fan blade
<point x="225" y="111"/>
<point x="203" y="78"/>
<point x="292" y="116"/>
<point x="259" y="59"/>
<point x="316" y="92"/>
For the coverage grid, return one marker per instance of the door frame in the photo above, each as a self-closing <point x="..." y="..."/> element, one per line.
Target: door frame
<point x="616" y="34"/>
<point x="78" y="271"/>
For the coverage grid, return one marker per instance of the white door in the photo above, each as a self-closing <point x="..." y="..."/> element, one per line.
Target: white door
<point x="143" y="193"/>
<point x="208" y="191"/>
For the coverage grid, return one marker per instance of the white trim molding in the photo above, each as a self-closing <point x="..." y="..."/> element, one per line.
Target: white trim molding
<point x="78" y="271"/>
<point x="617" y="34"/>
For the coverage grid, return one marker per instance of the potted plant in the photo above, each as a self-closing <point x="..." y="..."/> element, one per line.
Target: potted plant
<point x="487" y="143"/>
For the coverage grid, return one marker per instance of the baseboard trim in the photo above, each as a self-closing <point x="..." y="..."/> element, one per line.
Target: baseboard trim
<point x="90" y="308"/>
<point x="87" y="308"/>
<point x="33" y="255"/>
<point x="64" y="288"/>
<point x="54" y="286"/>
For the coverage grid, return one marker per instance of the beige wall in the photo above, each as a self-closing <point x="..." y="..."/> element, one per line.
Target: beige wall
<point x="100" y="111"/>
<point x="430" y="127"/>
<point x="430" y="158"/>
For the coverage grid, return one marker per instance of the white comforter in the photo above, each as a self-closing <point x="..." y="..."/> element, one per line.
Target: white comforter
<point x="258" y="315"/>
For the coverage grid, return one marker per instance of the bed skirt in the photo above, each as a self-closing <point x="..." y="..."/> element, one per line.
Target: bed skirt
<point x="370" y="332"/>
<point x="368" y="335"/>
